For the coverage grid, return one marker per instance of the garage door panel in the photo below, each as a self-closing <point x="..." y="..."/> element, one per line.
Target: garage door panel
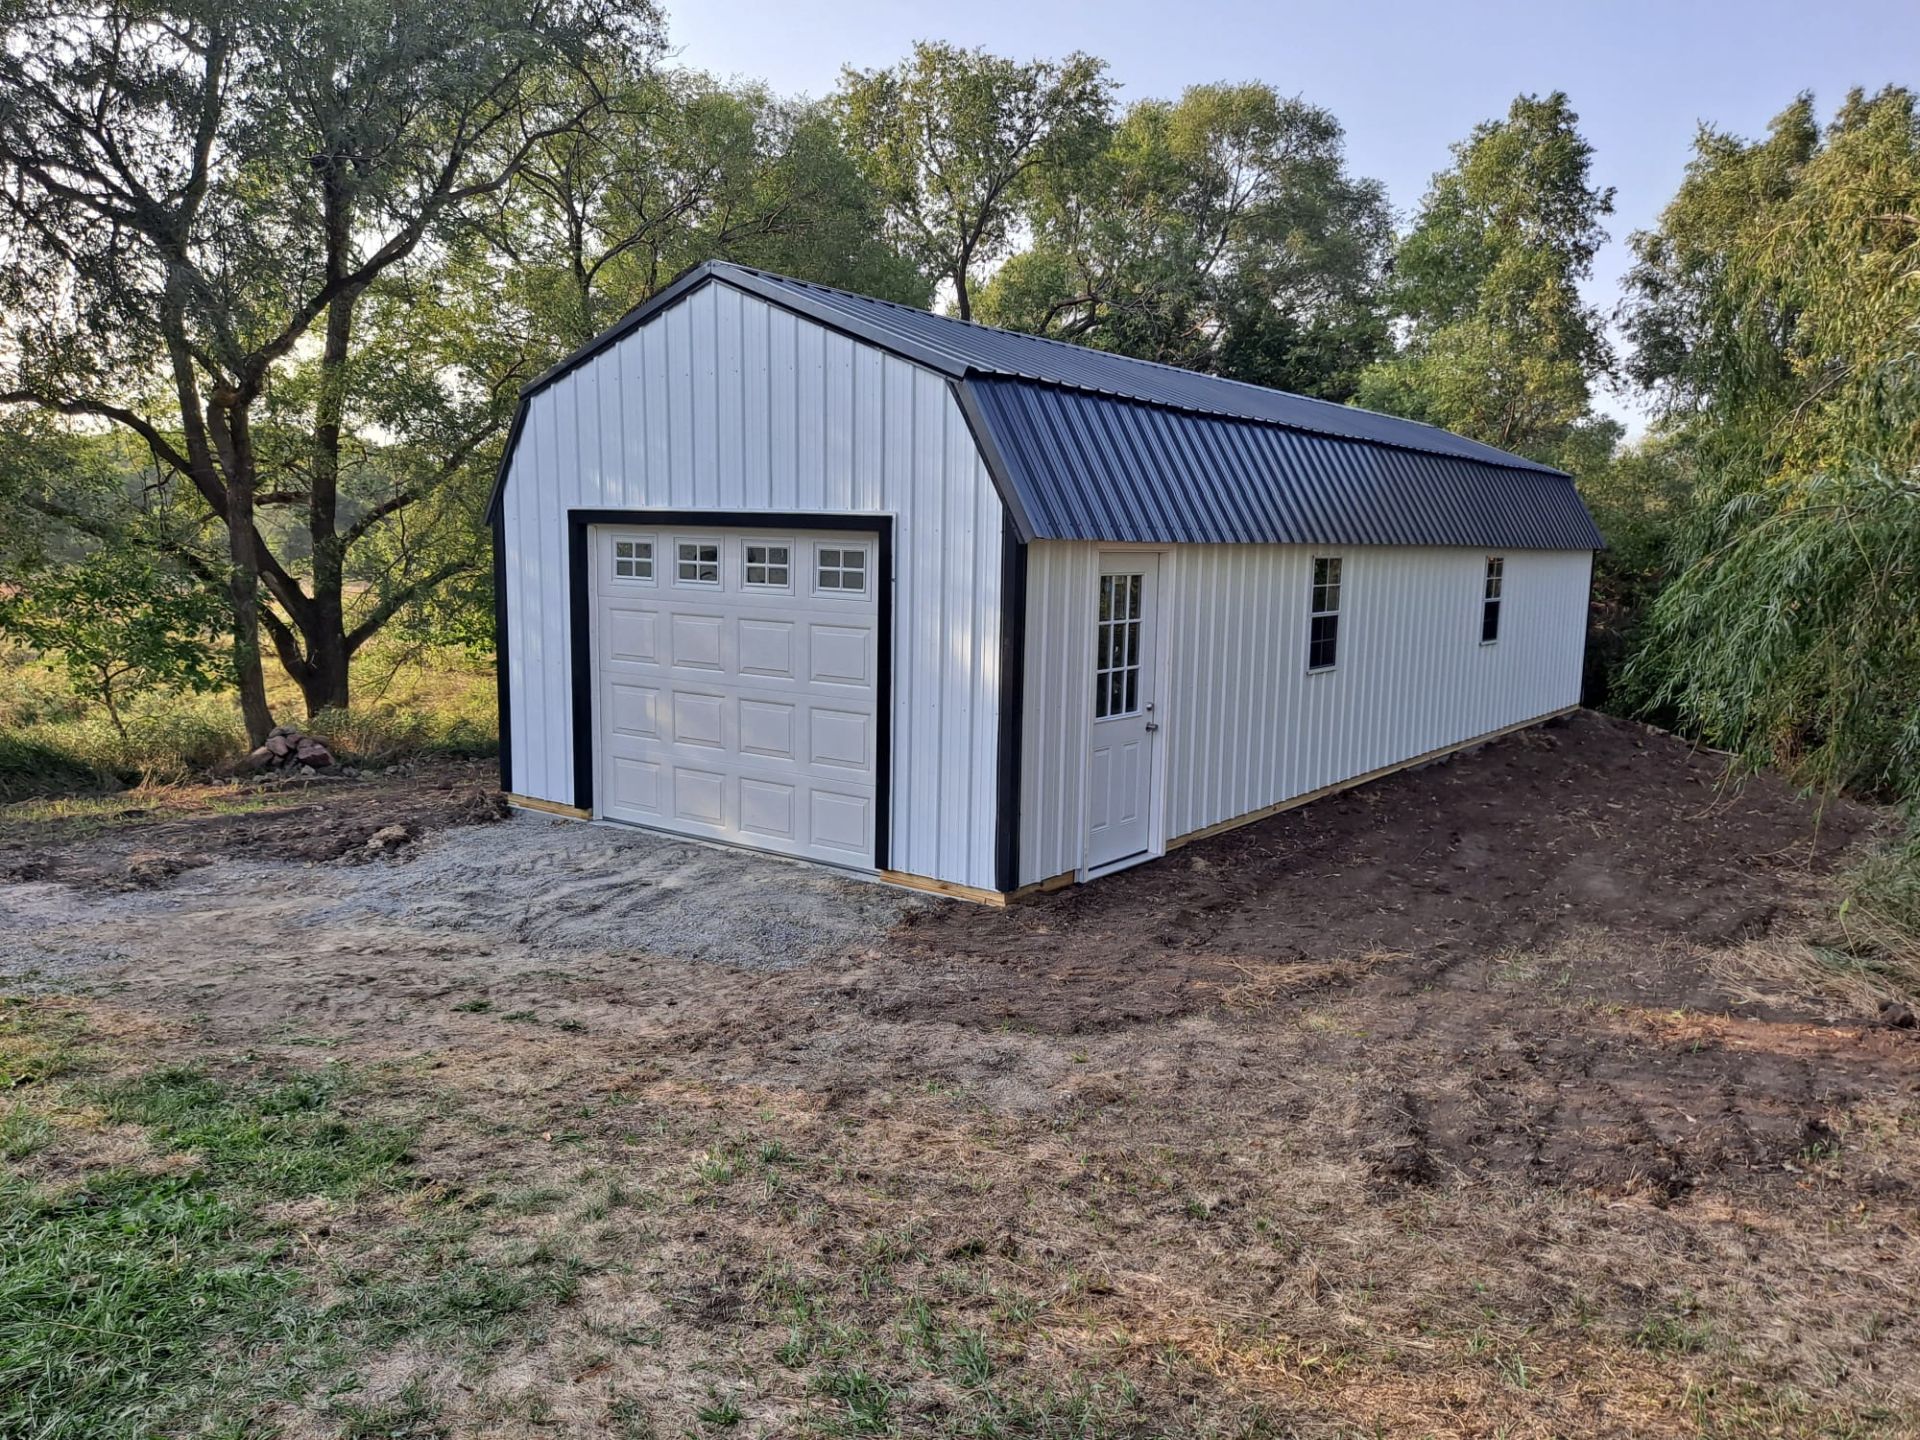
<point x="635" y="710"/>
<point x="839" y="654"/>
<point x="632" y="634"/>
<point x="841" y="738"/>
<point x="766" y="728"/>
<point x="700" y="720"/>
<point x="739" y="713"/>
<point x="635" y="785"/>
<point x="699" y="795"/>
<point x="697" y="641"/>
<point x="767" y="809"/>
<point x="841" y="822"/>
<point x="766" y="648"/>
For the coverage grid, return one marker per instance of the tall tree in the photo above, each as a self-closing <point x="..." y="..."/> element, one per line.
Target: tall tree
<point x="208" y="213"/>
<point x="675" y="168"/>
<point x="1774" y="312"/>
<point x="956" y="139"/>
<point x="1219" y="232"/>
<point x="1499" y="343"/>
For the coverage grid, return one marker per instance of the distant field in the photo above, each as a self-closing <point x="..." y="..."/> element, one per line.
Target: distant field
<point x="54" y="741"/>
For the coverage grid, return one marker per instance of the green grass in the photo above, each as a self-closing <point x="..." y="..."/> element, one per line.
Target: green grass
<point x="145" y="1296"/>
<point x="167" y="1294"/>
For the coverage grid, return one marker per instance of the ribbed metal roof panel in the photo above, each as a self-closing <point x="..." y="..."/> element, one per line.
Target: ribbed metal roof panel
<point x="967" y="347"/>
<point x="1097" y="467"/>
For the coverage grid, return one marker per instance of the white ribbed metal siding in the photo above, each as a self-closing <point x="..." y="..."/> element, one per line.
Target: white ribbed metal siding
<point x="1244" y="725"/>
<point x="723" y="402"/>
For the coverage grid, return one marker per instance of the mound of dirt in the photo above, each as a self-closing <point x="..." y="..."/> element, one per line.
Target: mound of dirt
<point x="1590" y="821"/>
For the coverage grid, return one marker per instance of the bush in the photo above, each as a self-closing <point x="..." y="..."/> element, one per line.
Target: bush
<point x="1792" y="634"/>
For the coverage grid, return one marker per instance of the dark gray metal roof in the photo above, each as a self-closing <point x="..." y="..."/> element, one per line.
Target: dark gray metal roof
<point x="1086" y="445"/>
<point x="1095" y="467"/>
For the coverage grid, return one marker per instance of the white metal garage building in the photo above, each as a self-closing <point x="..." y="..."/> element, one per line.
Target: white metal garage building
<point x="801" y="570"/>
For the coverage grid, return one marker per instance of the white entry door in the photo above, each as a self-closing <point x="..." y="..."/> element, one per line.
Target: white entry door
<point x="1120" y="762"/>
<point x="737" y="691"/>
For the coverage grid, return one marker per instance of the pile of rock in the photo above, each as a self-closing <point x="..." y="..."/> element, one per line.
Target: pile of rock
<point x="289" y="751"/>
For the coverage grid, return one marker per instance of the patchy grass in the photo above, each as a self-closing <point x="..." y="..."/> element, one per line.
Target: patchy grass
<point x="153" y="1274"/>
<point x="1863" y="953"/>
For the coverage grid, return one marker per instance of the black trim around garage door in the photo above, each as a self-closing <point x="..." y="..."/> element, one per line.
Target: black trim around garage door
<point x="580" y="631"/>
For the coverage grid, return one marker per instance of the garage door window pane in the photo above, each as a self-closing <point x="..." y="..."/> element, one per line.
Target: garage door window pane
<point x="633" y="559"/>
<point x="768" y="565"/>
<point x="841" y="568"/>
<point x="699" y="563"/>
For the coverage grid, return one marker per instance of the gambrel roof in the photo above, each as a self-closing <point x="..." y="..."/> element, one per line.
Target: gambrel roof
<point x="1086" y="445"/>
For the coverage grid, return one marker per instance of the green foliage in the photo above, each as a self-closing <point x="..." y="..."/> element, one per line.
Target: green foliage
<point x="1218" y="232"/>
<point x="673" y="168"/>
<point x="1500" y="344"/>
<point x="1640" y="497"/>
<point x="119" y="619"/>
<point x="1793" y="637"/>
<point x="1775" y="310"/>
<point x="956" y="142"/>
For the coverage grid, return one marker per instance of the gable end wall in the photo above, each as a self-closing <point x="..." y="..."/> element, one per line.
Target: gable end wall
<point x="724" y="402"/>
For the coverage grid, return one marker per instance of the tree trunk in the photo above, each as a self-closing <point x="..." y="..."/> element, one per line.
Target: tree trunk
<point x="228" y="422"/>
<point x="327" y="686"/>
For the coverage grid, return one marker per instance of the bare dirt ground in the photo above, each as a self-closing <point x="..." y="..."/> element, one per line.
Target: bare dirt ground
<point x="1435" y="1108"/>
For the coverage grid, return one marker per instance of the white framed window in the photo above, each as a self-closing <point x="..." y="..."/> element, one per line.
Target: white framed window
<point x="1323" y="629"/>
<point x="840" y="569"/>
<point x="696" y="562"/>
<point x="1490" y="599"/>
<point x="769" y="564"/>
<point x="633" y="559"/>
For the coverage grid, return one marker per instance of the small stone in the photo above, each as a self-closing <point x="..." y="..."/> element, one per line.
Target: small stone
<point x="312" y="752"/>
<point x="279" y="744"/>
<point x="305" y="770"/>
<point x="389" y="837"/>
<point x="260" y="759"/>
<point x="1897" y="1016"/>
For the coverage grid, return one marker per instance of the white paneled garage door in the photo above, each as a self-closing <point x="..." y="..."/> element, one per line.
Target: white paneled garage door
<point x="737" y="686"/>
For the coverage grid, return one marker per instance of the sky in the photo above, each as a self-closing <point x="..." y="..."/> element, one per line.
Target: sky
<point x="1406" y="80"/>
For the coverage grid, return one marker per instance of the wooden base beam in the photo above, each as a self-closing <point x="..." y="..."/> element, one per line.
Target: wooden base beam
<point x="548" y="807"/>
<point x="974" y="893"/>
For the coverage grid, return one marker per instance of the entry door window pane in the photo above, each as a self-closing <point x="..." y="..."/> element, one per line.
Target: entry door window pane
<point x="1116" y="648"/>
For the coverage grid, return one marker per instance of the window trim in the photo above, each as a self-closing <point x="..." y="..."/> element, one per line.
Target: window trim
<point x="1337" y="583"/>
<point x="652" y="542"/>
<point x="841" y="547"/>
<point x="1493" y="590"/>
<point x="767" y="587"/>
<point x="719" y="561"/>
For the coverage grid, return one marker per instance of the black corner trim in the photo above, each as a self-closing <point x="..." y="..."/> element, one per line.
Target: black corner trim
<point x="1013" y="674"/>
<point x="502" y="684"/>
<point x="580" y="632"/>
